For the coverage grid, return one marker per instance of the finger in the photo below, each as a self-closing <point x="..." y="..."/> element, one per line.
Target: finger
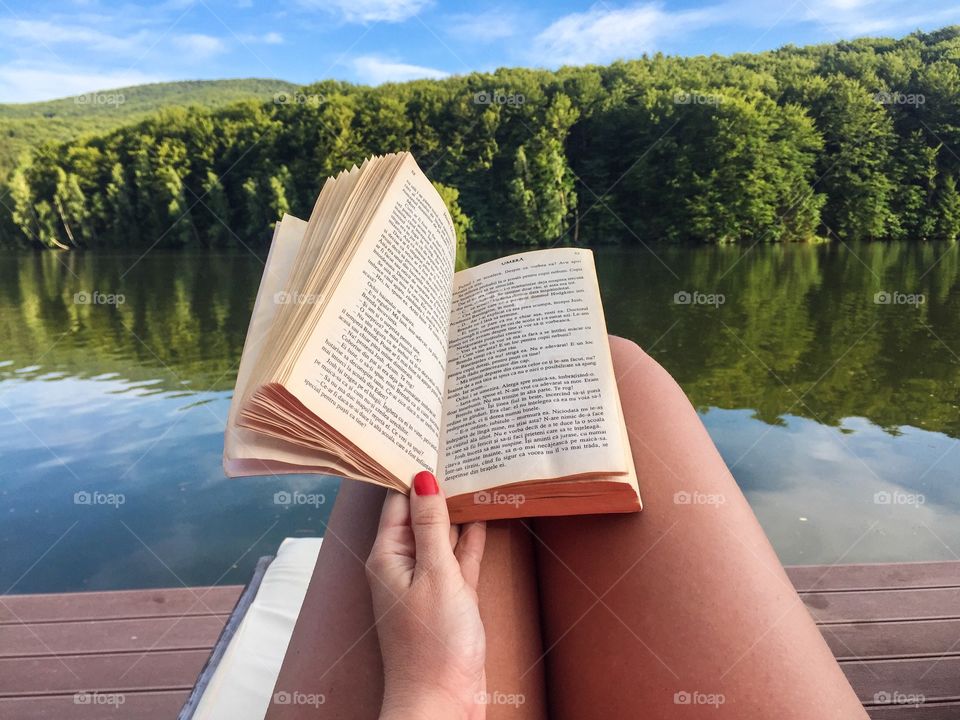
<point x="454" y="536"/>
<point x="431" y="523"/>
<point x="469" y="552"/>
<point x="392" y="557"/>
<point x="395" y="512"/>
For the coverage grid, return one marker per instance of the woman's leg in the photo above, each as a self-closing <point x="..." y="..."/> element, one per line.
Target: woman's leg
<point x="334" y="650"/>
<point x="682" y="610"/>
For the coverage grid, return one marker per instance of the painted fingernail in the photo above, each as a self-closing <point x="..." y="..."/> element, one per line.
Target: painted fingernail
<point x="424" y="483"/>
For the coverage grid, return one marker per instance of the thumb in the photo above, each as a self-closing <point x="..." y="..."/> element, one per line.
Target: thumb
<point x="430" y="522"/>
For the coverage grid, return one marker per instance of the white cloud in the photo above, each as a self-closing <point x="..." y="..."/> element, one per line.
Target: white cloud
<point x="373" y="70"/>
<point x="52" y="35"/>
<point x="603" y="33"/>
<point x="370" y="10"/>
<point x="484" y="27"/>
<point x="28" y="84"/>
<point x="270" y="38"/>
<point x="199" y="46"/>
<point x="850" y="18"/>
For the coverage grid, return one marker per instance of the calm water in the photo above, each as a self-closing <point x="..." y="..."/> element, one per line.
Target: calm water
<point x="838" y="414"/>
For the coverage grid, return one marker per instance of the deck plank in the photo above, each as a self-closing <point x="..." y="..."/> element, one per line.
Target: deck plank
<point x="931" y="711"/>
<point x="110" y="636"/>
<point x="121" y="672"/>
<point x="883" y="605"/>
<point x="118" y="604"/>
<point x="826" y="578"/>
<point x="882" y="682"/>
<point x="135" y="706"/>
<point x="889" y="640"/>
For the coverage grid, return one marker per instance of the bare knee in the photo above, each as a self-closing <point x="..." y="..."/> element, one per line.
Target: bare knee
<point x="632" y="365"/>
<point x="622" y="345"/>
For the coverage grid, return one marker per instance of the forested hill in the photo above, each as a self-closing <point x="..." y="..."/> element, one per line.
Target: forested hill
<point x="854" y="140"/>
<point x="25" y="125"/>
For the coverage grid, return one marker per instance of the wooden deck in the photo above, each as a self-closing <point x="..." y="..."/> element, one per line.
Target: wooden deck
<point x="78" y="655"/>
<point x="894" y="628"/>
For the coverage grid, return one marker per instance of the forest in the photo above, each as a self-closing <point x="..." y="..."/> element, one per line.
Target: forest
<point x="24" y="126"/>
<point x="846" y="142"/>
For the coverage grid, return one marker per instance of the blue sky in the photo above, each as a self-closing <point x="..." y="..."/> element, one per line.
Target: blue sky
<point x="64" y="48"/>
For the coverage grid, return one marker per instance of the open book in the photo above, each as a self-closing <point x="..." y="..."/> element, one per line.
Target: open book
<point x="368" y="357"/>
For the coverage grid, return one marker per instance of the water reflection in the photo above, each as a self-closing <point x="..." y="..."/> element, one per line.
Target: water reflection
<point x="819" y="394"/>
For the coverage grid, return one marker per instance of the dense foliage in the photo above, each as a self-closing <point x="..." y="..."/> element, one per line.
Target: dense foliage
<point x="26" y="125"/>
<point x="855" y="140"/>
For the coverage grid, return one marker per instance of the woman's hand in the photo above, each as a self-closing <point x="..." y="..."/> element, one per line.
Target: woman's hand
<point x="423" y="579"/>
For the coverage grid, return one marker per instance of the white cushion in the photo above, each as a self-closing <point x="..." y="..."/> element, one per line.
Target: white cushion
<point x="242" y="685"/>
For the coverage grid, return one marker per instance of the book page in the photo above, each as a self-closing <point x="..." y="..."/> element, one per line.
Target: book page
<point x="530" y="390"/>
<point x="241" y="443"/>
<point x="373" y="369"/>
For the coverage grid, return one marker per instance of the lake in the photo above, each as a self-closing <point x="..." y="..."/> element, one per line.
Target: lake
<point x="828" y="376"/>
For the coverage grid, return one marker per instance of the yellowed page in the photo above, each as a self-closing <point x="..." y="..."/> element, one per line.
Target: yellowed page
<point x="247" y="451"/>
<point x="373" y="368"/>
<point x="530" y="390"/>
<point x="240" y="442"/>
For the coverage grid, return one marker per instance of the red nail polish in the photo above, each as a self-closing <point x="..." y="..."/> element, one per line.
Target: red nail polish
<point x="424" y="483"/>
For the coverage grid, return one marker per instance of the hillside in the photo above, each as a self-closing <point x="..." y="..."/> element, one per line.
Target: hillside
<point x="24" y="126"/>
<point x="850" y="140"/>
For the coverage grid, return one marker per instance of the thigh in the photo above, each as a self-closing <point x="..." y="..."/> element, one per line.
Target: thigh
<point x="334" y="649"/>
<point x="682" y="610"/>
